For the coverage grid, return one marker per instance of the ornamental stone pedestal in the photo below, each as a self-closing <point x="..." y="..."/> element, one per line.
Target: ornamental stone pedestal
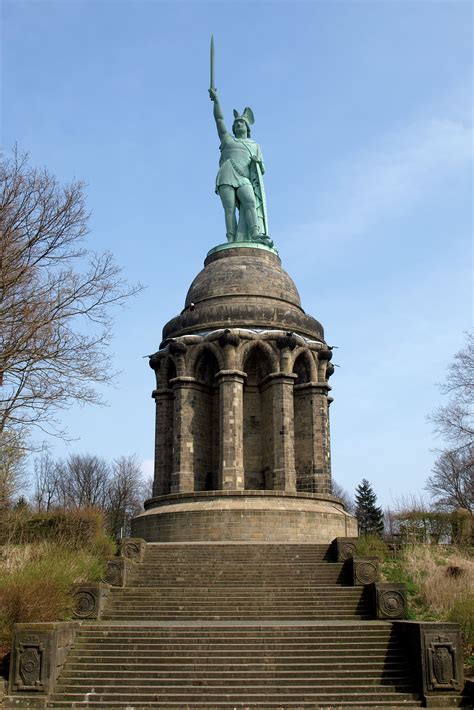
<point x="242" y="412"/>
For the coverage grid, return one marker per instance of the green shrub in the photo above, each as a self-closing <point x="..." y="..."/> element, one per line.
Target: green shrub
<point x="41" y="557"/>
<point x="77" y="529"/>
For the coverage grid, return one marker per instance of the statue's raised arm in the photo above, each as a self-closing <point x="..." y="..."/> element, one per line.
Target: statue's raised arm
<point x="218" y="115"/>
<point x="239" y="182"/>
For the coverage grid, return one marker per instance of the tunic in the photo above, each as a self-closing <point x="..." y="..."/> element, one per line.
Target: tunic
<point x="235" y="161"/>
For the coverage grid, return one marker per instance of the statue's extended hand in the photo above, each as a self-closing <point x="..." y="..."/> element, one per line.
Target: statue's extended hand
<point x="213" y="94"/>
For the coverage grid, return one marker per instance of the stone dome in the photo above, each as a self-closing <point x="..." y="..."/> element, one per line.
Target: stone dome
<point x="243" y="287"/>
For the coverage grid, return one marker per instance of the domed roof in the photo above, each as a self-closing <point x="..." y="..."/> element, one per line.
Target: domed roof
<point x="243" y="272"/>
<point x="243" y="287"/>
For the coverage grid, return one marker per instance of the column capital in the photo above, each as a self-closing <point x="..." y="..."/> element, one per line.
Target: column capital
<point x="322" y="387"/>
<point x="238" y="375"/>
<point x="183" y="380"/>
<point x="163" y="392"/>
<point x="281" y="376"/>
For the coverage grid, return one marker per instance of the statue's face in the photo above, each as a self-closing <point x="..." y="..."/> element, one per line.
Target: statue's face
<point x="240" y="128"/>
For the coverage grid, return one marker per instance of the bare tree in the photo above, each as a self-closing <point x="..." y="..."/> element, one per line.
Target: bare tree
<point x="452" y="483"/>
<point x="125" y="494"/>
<point x="46" y="490"/>
<point x="344" y="496"/>
<point x="55" y="300"/>
<point x="12" y="471"/>
<point x="83" y="482"/>
<point x="455" y="420"/>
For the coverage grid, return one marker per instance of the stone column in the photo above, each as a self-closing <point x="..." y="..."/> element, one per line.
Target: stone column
<point x="231" y="443"/>
<point x="182" y="477"/>
<point x="318" y="452"/>
<point x="163" y="441"/>
<point x="284" y="474"/>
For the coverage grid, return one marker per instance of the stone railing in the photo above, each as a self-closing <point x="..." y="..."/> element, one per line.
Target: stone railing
<point x="435" y="652"/>
<point x="39" y="651"/>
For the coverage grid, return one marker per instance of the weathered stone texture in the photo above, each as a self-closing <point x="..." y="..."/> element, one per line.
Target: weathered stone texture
<point x="242" y="393"/>
<point x="252" y="515"/>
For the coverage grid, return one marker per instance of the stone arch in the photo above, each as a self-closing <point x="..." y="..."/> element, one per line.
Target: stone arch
<point x="303" y="366"/>
<point x="195" y="352"/>
<point x="204" y="429"/>
<point x="206" y="367"/>
<point x="267" y="357"/>
<point x="169" y="370"/>
<point x="258" y="363"/>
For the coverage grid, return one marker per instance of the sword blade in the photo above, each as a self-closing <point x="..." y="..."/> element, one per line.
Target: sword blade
<point x="212" y="62"/>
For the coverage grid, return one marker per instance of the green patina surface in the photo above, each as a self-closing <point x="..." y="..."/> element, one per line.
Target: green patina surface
<point x="239" y="181"/>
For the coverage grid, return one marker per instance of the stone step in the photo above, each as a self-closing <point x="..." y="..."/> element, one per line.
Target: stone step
<point x="263" y="592"/>
<point x="186" y="655"/>
<point x="276" y="695"/>
<point x="231" y="705"/>
<point x="295" y="646"/>
<point x="225" y="632"/>
<point x="101" y="685"/>
<point x="331" y="674"/>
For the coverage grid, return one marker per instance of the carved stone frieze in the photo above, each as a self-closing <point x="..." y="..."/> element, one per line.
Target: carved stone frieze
<point x="365" y="570"/>
<point x="89" y="600"/>
<point x="85" y="604"/>
<point x="390" y="600"/>
<point x="29" y="665"/>
<point x="345" y="548"/>
<point x="442" y="652"/>
<point x="435" y="652"/>
<point x="132" y="548"/>
<point x="115" y="572"/>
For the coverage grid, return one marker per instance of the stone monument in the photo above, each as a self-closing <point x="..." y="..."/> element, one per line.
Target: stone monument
<point x="242" y="449"/>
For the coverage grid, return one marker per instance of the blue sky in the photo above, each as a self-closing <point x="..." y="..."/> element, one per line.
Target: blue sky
<point x="363" y="111"/>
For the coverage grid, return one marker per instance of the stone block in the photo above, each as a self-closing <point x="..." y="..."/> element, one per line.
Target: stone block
<point x="89" y="600"/>
<point x="365" y="570"/>
<point x="345" y="548"/>
<point x="38" y="654"/>
<point x="436" y="654"/>
<point x="390" y="600"/>
<point x="132" y="548"/>
<point x="116" y="571"/>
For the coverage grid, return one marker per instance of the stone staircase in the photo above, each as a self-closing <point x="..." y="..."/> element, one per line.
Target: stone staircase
<point x="236" y="626"/>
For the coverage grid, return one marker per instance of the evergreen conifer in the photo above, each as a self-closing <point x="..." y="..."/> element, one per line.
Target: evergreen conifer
<point x="368" y="514"/>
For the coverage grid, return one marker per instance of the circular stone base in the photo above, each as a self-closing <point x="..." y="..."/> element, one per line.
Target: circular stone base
<point x="253" y="516"/>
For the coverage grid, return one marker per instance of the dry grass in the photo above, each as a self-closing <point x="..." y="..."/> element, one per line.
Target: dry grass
<point x="442" y="576"/>
<point x="35" y="582"/>
<point x="440" y="586"/>
<point x="41" y="558"/>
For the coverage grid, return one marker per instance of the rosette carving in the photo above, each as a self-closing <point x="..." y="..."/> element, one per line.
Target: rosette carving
<point x="392" y="604"/>
<point x="85" y="605"/>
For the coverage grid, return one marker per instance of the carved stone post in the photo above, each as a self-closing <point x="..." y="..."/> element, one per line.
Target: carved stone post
<point x="231" y="444"/>
<point x="284" y="474"/>
<point x="163" y="441"/>
<point x="182" y="476"/>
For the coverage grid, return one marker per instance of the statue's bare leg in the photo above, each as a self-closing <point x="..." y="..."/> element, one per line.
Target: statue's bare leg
<point x="246" y="196"/>
<point x="227" y="195"/>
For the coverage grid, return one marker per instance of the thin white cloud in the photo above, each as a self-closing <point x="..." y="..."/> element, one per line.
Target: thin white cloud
<point x="390" y="179"/>
<point x="147" y="467"/>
